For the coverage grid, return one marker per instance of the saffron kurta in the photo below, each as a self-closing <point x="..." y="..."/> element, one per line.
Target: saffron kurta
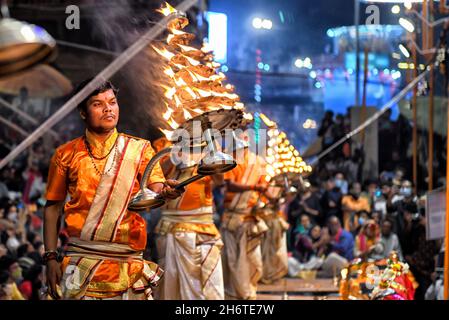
<point x="189" y="244"/>
<point x="241" y="231"/>
<point x="72" y="172"/>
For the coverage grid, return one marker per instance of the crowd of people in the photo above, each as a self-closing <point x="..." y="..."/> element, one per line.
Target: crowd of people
<point x="333" y="219"/>
<point x="22" y="188"/>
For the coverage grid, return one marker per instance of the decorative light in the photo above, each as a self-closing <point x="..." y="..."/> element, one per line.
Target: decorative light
<point x="267" y="24"/>
<point x="257" y="23"/>
<point x="404" y="50"/>
<point x="406" y="24"/>
<point x="299" y="63"/>
<point x="396" y="9"/>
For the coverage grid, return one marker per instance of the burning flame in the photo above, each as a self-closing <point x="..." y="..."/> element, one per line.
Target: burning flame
<point x="168" y="134"/>
<point x="173" y="124"/>
<point x="167" y="114"/>
<point x="267" y="121"/>
<point x="193" y="76"/>
<point x="167" y="10"/>
<point x="169" y="92"/>
<point x="186" y="48"/>
<point x="164" y="52"/>
<point x="187" y="114"/>
<point x="169" y="72"/>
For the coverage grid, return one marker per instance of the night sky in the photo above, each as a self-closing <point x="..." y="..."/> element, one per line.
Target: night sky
<point x="305" y="22"/>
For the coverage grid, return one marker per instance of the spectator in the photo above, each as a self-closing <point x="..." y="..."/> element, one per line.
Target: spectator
<point x="376" y="216"/>
<point x="325" y="130"/>
<point x="310" y="203"/>
<point x="331" y="202"/>
<point x="341" y="241"/>
<point x="352" y="204"/>
<point x="304" y="226"/>
<point x="3" y="250"/>
<point x="367" y="243"/>
<point x="341" y="183"/>
<point x="33" y="282"/>
<point x="359" y="220"/>
<point x="422" y="257"/>
<point x="340" y="245"/>
<point x="382" y="196"/>
<point x="10" y="265"/>
<point x="389" y="241"/>
<point x="4" y="192"/>
<point x="309" y="245"/>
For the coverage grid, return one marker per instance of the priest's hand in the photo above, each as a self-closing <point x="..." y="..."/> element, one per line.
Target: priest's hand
<point x="54" y="276"/>
<point x="169" y="191"/>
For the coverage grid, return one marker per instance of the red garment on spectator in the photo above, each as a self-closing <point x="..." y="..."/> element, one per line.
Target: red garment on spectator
<point x="26" y="288"/>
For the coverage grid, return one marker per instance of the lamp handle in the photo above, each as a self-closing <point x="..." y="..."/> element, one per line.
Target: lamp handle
<point x="151" y="164"/>
<point x="194" y="178"/>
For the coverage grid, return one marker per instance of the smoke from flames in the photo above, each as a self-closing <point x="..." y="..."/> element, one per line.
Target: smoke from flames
<point x="117" y="25"/>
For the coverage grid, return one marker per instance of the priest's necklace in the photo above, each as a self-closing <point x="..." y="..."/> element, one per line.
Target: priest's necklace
<point x="92" y="157"/>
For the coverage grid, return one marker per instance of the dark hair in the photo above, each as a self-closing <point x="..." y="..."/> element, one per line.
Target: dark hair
<point x="22" y="250"/>
<point x="4" y="277"/>
<point x="103" y="87"/>
<point x="37" y="244"/>
<point x="6" y="262"/>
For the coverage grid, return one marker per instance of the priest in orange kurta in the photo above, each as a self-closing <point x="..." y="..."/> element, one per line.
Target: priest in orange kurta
<point x="188" y="242"/>
<point x="100" y="172"/>
<point x="241" y="228"/>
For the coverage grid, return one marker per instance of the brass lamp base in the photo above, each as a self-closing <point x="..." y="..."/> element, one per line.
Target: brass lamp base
<point x="145" y="200"/>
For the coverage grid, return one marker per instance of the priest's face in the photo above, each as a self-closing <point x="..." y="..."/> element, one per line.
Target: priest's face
<point x="102" y="112"/>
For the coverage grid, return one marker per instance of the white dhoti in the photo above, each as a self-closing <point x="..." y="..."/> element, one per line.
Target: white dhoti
<point x="242" y="255"/>
<point x="274" y="249"/>
<point x="192" y="258"/>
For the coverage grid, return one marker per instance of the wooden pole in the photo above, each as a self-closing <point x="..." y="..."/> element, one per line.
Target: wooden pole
<point x="415" y="122"/>
<point x="429" y="44"/>
<point x="446" y="241"/>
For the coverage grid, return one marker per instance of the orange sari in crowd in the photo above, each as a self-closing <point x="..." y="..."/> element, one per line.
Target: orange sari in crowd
<point x="104" y="255"/>
<point x="241" y="231"/>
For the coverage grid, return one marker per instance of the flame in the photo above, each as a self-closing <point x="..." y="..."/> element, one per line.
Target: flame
<point x="203" y="93"/>
<point x="167" y="114"/>
<point x="197" y="77"/>
<point x="180" y="82"/>
<point x="239" y="105"/>
<point x="164" y="52"/>
<point x="206" y="48"/>
<point x="167" y="10"/>
<point x="169" y="72"/>
<point x="186" y="48"/>
<point x="177" y="32"/>
<point x="267" y="121"/>
<point x="169" y="92"/>
<point x="177" y="101"/>
<point x="182" y="57"/>
<point x="192" y="61"/>
<point x="190" y="91"/>
<point x="217" y="77"/>
<point x="187" y="114"/>
<point x="173" y="124"/>
<point x="168" y="134"/>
